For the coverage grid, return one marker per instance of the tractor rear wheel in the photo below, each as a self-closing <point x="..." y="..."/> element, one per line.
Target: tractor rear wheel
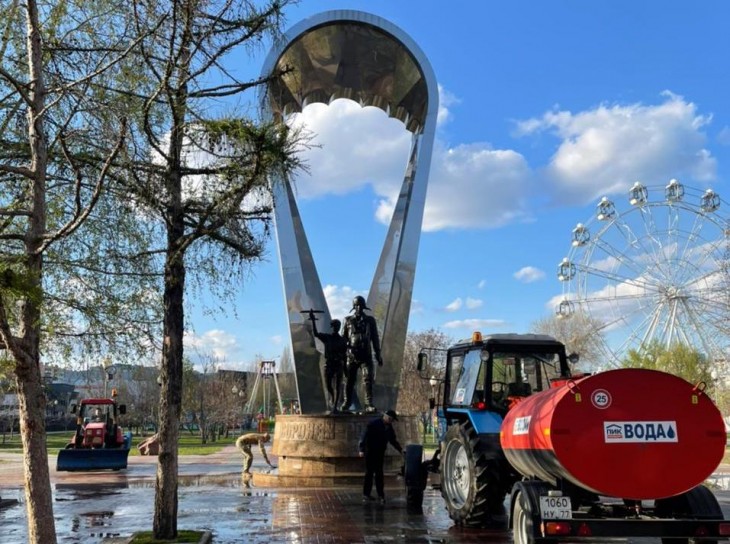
<point x="415" y="476"/>
<point x="468" y="479"/>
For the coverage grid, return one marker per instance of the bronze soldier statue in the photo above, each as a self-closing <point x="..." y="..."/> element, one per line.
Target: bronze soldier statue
<point x="335" y="349"/>
<point x="361" y="332"/>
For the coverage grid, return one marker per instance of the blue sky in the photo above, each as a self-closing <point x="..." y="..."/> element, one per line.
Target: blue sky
<point x="546" y="106"/>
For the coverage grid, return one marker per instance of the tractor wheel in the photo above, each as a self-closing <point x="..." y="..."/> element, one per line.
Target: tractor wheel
<point x="467" y="478"/>
<point x="415" y="476"/>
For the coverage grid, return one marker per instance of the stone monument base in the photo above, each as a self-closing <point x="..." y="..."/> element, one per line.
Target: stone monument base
<point x="322" y="450"/>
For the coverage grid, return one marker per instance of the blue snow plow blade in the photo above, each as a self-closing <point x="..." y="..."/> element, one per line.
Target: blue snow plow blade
<point x="94" y="459"/>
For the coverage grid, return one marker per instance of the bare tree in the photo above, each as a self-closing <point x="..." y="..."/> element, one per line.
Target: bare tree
<point x="415" y="387"/>
<point x="580" y="334"/>
<point x="287" y="377"/>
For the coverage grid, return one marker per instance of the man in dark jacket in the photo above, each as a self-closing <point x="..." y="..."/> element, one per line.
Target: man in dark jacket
<point x="373" y="443"/>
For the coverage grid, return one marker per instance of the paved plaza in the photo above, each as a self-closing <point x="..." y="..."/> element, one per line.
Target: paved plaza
<point x="107" y="506"/>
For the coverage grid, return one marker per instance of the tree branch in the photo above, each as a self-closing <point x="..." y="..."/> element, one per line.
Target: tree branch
<point x="82" y="212"/>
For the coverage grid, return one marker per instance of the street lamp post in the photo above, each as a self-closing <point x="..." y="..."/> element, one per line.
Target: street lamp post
<point x="267" y="371"/>
<point x="242" y="394"/>
<point x="433" y="382"/>
<point x="109" y="371"/>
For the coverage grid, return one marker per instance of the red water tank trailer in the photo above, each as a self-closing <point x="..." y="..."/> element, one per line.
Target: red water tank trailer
<point x="627" y="433"/>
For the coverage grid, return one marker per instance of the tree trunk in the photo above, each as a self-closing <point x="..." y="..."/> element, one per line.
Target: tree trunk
<point x="38" y="497"/>
<point x="31" y="397"/>
<point x="166" y="500"/>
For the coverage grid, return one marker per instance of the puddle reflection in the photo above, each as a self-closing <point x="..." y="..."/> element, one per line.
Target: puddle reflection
<point x="88" y="524"/>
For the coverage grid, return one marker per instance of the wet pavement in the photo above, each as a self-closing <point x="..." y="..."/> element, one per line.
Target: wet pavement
<point x="93" y="507"/>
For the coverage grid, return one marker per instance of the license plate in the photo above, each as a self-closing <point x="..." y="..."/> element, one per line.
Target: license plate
<point x="555" y="508"/>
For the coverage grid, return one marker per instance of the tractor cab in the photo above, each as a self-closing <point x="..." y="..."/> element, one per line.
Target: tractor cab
<point x="98" y="423"/>
<point x="484" y="377"/>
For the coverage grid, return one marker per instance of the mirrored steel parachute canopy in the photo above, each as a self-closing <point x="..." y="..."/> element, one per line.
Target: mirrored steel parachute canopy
<point x="362" y="57"/>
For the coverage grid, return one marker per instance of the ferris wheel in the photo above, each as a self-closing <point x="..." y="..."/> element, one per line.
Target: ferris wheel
<point x="655" y="268"/>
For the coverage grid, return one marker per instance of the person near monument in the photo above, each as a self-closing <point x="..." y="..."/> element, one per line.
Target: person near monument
<point x="335" y="353"/>
<point x="244" y="443"/>
<point x="361" y="332"/>
<point x="373" y="443"/>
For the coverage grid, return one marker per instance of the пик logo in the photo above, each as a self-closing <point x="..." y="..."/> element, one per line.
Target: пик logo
<point x="640" y="431"/>
<point x="613" y="432"/>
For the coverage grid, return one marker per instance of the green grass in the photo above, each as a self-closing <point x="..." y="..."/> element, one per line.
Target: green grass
<point x="187" y="445"/>
<point x="54" y="442"/>
<point x="190" y="444"/>
<point x="146" y="537"/>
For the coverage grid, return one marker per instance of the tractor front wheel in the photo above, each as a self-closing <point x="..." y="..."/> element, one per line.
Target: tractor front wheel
<point x="467" y="478"/>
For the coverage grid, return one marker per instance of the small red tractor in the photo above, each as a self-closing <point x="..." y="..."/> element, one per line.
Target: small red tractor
<point x="99" y="441"/>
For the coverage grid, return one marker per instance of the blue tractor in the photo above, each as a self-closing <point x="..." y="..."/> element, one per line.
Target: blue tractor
<point x="482" y="378"/>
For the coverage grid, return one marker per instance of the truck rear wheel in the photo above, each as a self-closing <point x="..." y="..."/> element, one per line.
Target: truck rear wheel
<point x="521" y="521"/>
<point x="524" y="517"/>
<point x="467" y="478"/>
<point x="697" y="503"/>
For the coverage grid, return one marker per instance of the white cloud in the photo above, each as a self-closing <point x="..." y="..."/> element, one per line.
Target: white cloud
<point x="475" y="186"/>
<point x="339" y="300"/>
<point x="599" y="152"/>
<point x="417" y="307"/>
<point x="454" y="305"/>
<point x="474" y="303"/>
<point x="474" y="324"/>
<point x="356" y="146"/>
<point x="724" y="136"/>
<point x="217" y="343"/>
<point x="481" y="284"/>
<point x="529" y="274"/>
<point x="470" y="185"/>
<point x="446" y="99"/>
<point x="604" y="150"/>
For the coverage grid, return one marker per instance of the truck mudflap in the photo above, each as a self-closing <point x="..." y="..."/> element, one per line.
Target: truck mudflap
<point x="537" y="515"/>
<point x="87" y="459"/>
